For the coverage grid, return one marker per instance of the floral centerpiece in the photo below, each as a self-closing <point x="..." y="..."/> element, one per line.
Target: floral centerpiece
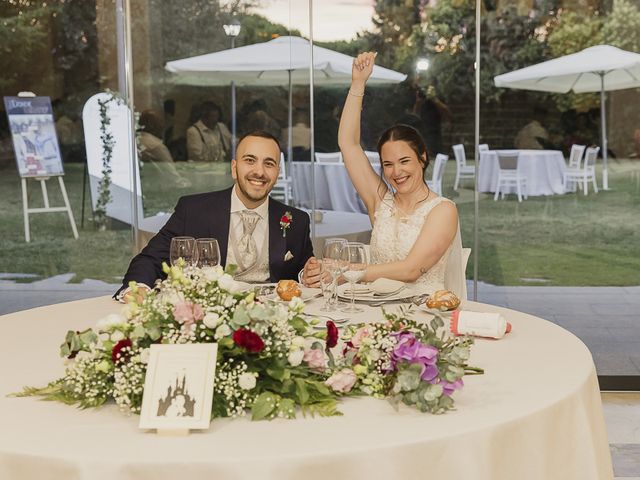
<point x="272" y="359"/>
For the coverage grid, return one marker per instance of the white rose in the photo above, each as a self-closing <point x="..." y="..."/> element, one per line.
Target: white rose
<point x="212" y="273"/>
<point x="111" y="320"/>
<point x="247" y="381"/>
<point x="227" y="283"/>
<point x="295" y="357"/>
<point x="296" y="304"/>
<point x="117" y="336"/>
<point x="222" y="331"/>
<point x="298" y="342"/>
<point x="211" y="320"/>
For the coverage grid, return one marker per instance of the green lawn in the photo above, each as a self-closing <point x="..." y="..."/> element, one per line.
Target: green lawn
<point x="558" y="240"/>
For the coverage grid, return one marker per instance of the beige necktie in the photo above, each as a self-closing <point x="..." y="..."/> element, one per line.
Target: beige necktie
<point x="246" y="244"/>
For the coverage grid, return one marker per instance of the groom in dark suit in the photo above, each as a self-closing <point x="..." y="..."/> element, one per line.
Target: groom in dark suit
<point x="268" y="240"/>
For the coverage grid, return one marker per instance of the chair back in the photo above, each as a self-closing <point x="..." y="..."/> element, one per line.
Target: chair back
<point x="483" y="147"/>
<point x="458" y="152"/>
<point x="334" y="157"/>
<point x="508" y="161"/>
<point x="575" y="156"/>
<point x="590" y="157"/>
<point x="438" y="167"/>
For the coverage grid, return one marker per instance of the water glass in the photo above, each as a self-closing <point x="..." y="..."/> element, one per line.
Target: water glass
<point x="332" y="262"/>
<point x="208" y="252"/>
<point x="354" y="256"/>
<point x="183" y="248"/>
<point x="327" y="283"/>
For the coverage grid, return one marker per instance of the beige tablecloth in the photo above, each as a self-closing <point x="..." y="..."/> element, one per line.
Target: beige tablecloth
<point x="536" y="414"/>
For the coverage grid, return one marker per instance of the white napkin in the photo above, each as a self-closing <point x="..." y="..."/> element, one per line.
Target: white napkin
<point x="385" y="286"/>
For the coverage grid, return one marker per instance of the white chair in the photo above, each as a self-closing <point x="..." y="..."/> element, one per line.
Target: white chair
<point x="575" y="161"/>
<point x="283" y="189"/>
<point x="462" y="169"/>
<point x="334" y="157"/>
<point x="483" y="147"/>
<point x="435" y="183"/>
<point x="509" y="176"/>
<point x="582" y="175"/>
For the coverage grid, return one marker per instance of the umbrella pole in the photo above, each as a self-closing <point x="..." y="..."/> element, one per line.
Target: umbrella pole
<point x="603" y="126"/>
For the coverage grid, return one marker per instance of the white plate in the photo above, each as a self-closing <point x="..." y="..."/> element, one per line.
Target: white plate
<point x="405" y="293"/>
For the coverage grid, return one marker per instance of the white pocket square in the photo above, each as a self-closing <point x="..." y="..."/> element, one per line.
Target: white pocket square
<point x="288" y="256"/>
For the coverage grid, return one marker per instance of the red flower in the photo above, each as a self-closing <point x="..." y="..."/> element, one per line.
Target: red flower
<point x="332" y="334"/>
<point x="117" y="355"/>
<point x="248" y="340"/>
<point x="285" y="220"/>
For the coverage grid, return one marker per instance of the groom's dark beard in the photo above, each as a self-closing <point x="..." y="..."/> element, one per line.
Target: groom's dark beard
<point x="252" y="197"/>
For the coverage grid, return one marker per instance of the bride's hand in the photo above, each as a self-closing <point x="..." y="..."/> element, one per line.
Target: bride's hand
<point x="362" y="68"/>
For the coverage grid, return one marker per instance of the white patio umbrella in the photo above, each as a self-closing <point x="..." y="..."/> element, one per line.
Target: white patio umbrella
<point x="284" y="60"/>
<point x="594" y="69"/>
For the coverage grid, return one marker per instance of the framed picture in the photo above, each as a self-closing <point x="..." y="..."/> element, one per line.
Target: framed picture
<point x="178" y="387"/>
<point x="33" y="131"/>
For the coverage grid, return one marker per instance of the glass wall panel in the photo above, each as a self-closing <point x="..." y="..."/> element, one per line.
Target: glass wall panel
<point x="65" y="51"/>
<point x="431" y="44"/>
<point x="562" y="253"/>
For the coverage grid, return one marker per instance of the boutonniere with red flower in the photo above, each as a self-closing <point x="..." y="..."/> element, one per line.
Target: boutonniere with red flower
<point x="285" y="222"/>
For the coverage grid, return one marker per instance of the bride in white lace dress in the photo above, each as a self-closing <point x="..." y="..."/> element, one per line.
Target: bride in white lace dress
<point x="415" y="231"/>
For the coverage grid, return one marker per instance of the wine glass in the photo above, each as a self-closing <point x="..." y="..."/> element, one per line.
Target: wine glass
<point x="183" y="248"/>
<point x="208" y="252"/>
<point x="354" y="255"/>
<point x="332" y="262"/>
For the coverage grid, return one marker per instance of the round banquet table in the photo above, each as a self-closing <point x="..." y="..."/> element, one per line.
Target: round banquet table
<point x="535" y="414"/>
<point x="543" y="170"/>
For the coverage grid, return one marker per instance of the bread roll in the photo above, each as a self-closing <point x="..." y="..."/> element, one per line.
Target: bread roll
<point x="287" y="289"/>
<point x="443" y="300"/>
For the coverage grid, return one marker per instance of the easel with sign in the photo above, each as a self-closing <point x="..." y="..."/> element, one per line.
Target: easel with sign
<point x="37" y="152"/>
<point x="47" y="208"/>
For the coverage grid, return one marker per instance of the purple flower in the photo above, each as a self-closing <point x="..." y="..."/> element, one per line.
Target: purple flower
<point x="448" y="388"/>
<point x="410" y="350"/>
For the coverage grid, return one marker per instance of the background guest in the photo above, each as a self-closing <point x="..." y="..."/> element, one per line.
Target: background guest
<point x="208" y="139"/>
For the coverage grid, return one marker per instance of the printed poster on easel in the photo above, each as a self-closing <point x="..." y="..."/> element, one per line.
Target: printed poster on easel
<point x="33" y="131"/>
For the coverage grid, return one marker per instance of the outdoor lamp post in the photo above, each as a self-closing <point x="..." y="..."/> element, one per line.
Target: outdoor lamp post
<point x="232" y="30"/>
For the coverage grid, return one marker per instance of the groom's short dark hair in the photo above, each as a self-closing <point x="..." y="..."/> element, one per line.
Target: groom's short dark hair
<point x="261" y="134"/>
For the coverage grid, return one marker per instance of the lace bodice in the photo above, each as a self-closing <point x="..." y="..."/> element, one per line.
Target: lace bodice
<point x="393" y="237"/>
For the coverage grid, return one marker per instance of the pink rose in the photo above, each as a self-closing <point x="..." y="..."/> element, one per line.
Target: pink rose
<point x="342" y="381"/>
<point x="315" y="358"/>
<point x="360" y="335"/>
<point x="188" y="313"/>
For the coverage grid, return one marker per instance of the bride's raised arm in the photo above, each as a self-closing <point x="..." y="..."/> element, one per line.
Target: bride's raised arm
<point x="364" y="178"/>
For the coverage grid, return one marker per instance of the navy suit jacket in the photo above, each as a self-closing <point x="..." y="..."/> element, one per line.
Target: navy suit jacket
<point x="207" y="215"/>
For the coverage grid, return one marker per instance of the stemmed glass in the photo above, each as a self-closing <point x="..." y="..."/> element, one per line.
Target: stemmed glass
<point x="333" y="264"/>
<point x="208" y="252"/>
<point x="354" y="255"/>
<point x="183" y="248"/>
